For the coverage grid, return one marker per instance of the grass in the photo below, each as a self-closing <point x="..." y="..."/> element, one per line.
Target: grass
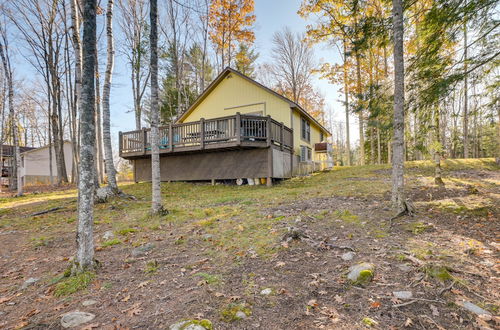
<point x="210" y="279"/>
<point x="111" y="242"/>
<point x="72" y="284"/>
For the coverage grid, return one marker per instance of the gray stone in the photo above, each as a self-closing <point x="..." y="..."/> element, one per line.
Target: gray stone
<point x="29" y="281"/>
<point x="405" y="268"/>
<point x="403" y="295"/>
<point x="266" y="292"/>
<point x="361" y="273"/>
<point x="76" y="318"/>
<point x="190" y="325"/>
<point x="89" y="302"/>
<point x="348" y="256"/>
<point x="108" y="235"/>
<point x="208" y="237"/>
<point x="474" y="308"/>
<point x="143" y="249"/>
<point x="241" y="315"/>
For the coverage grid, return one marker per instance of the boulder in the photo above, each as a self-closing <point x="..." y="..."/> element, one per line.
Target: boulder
<point x="266" y="292"/>
<point x="30" y="281"/>
<point x="403" y="295"/>
<point x="348" y="256"/>
<point x="108" y="235"/>
<point x="76" y="318"/>
<point x="361" y="273"/>
<point x="192" y="325"/>
<point x="90" y="302"/>
<point x="143" y="249"/>
<point x="474" y="308"/>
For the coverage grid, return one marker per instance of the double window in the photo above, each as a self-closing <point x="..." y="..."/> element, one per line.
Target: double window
<point x="305" y="129"/>
<point x="305" y="154"/>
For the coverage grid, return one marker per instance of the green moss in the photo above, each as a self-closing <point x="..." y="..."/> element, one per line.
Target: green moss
<point x="438" y="272"/>
<point x="204" y="323"/>
<point x="209" y="278"/>
<point x="151" y="267"/>
<point x="417" y="227"/>
<point x="369" y="322"/>
<point x="73" y="284"/>
<point x="126" y="231"/>
<point x="365" y="276"/>
<point x="111" y="242"/>
<point x="228" y="313"/>
<point x="41" y="241"/>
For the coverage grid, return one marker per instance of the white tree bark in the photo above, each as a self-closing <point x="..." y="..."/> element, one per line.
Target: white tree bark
<point x="85" y="238"/>
<point x="16" y="164"/>
<point x="77" y="48"/>
<point x="106" y="121"/>
<point x="398" y="196"/>
<point x="156" y="206"/>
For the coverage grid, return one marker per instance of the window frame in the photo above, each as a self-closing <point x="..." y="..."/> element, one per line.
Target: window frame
<point x="305" y="129"/>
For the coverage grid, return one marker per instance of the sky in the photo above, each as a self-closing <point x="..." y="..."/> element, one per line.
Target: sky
<point x="271" y="16"/>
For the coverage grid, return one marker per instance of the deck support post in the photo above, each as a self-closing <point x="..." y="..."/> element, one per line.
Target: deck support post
<point x="120" y="143"/>
<point x="202" y="133"/>
<point x="144" y="139"/>
<point x="268" y="131"/>
<point x="170" y="135"/>
<point x="213" y="182"/>
<point x="237" y="127"/>
<point x="282" y="127"/>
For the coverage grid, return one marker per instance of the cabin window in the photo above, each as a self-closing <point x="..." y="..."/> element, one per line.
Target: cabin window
<point x="321" y="137"/>
<point x="305" y="129"/>
<point x="305" y="154"/>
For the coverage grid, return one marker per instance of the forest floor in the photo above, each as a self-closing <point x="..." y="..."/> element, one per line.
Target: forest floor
<point x="248" y="257"/>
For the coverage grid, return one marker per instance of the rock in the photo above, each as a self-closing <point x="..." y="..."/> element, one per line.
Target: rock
<point x="361" y="273"/>
<point x="108" y="235"/>
<point x="76" y="318"/>
<point x="348" y="256"/>
<point x="474" y="308"/>
<point x="102" y="194"/>
<point x="141" y="250"/>
<point x="89" y="302"/>
<point x="266" y="292"/>
<point x="240" y="315"/>
<point x="403" y="295"/>
<point x="192" y="325"/>
<point x="405" y="268"/>
<point x="208" y="237"/>
<point x="29" y="281"/>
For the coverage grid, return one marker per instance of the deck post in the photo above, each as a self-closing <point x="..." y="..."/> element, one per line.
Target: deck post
<point x="268" y="130"/>
<point x="282" y="142"/>
<point x="213" y="182"/>
<point x="120" y="143"/>
<point x="170" y="135"/>
<point x="144" y="139"/>
<point x="202" y="133"/>
<point x="237" y="127"/>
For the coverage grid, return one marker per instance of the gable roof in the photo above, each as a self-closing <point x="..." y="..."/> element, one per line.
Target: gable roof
<point x="223" y="75"/>
<point x="7" y="150"/>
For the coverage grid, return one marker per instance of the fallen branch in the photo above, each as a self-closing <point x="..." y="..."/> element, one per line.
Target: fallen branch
<point x="414" y="300"/>
<point x="46" y="211"/>
<point x="443" y="290"/>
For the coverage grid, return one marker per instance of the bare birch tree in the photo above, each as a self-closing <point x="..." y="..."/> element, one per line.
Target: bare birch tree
<point x="133" y="26"/>
<point x="156" y="206"/>
<point x="106" y="120"/>
<point x="16" y="164"/>
<point x="398" y="194"/>
<point x="85" y="237"/>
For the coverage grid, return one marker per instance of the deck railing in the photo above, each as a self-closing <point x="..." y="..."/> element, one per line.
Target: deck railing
<point x="231" y="130"/>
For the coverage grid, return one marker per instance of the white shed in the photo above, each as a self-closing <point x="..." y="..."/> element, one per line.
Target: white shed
<point x="35" y="168"/>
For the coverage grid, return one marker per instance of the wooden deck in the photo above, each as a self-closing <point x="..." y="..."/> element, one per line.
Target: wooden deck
<point x="231" y="132"/>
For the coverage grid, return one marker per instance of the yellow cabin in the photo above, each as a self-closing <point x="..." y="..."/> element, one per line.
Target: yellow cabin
<point x="236" y="129"/>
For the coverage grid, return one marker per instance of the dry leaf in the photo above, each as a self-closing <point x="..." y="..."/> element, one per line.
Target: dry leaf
<point x="408" y="322"/>
<point x="339" y="299"/>
<point x="234" y="298"/>
<point x="59" y="307"/>
<point x="313" y="303"/>
<point x="218" y="294"/>
<point x="5" y="299"/>
<point x="91" y="326"/>
<point x="30" y="314"/>
<point x="322" y="292"/>
<point x="125" y="299"/>
<point x="143" y="284"/>
<point x="375" y="304"/>
<point x="21" y="325"/>
<point x="134" y="310"/>
<point x="435" y="311"/>
<point x="280" y="264"/>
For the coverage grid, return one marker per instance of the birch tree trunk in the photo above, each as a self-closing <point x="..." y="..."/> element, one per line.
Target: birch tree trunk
<point x="466" y="101"/>
<point x="156" y="206"/>
<point x="84" y="237"/>
<point x="16" y="164"/>
<point x="106" y="121"/>
<point x="398" y="196"/>
<point x="346" y="97"/>
<point x="77" y="49"/>
<point x="360" y="111"/>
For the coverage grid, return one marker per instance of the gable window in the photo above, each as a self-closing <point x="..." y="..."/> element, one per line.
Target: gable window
<point x="305" y="154"/>
<point x="321" y="136"/>
<point x="305" y="129"/>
